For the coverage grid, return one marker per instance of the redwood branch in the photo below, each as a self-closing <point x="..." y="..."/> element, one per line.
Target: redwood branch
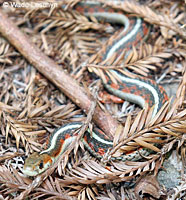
<point x="55" y="74"/>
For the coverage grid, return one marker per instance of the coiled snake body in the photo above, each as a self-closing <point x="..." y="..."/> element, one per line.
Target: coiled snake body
<point x="139" y="90"/>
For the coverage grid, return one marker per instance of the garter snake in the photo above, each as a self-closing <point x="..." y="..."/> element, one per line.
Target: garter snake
<point x="139" y="91"/>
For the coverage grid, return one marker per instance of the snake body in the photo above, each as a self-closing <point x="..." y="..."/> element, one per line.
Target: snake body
<point x="139" y="91"/>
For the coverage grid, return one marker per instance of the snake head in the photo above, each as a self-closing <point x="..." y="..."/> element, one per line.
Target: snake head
<point x="36" y="164"/>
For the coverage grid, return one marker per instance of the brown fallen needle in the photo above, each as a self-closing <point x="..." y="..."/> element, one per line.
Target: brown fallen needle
<point x="55" y="74"/>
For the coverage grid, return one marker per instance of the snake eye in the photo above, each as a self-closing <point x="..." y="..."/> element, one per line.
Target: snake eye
<point x="41" y="165"/>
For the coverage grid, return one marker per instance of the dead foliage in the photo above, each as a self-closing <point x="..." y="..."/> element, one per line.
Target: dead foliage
<point x="148" y="185"/>
<point x="31" y="107"/>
